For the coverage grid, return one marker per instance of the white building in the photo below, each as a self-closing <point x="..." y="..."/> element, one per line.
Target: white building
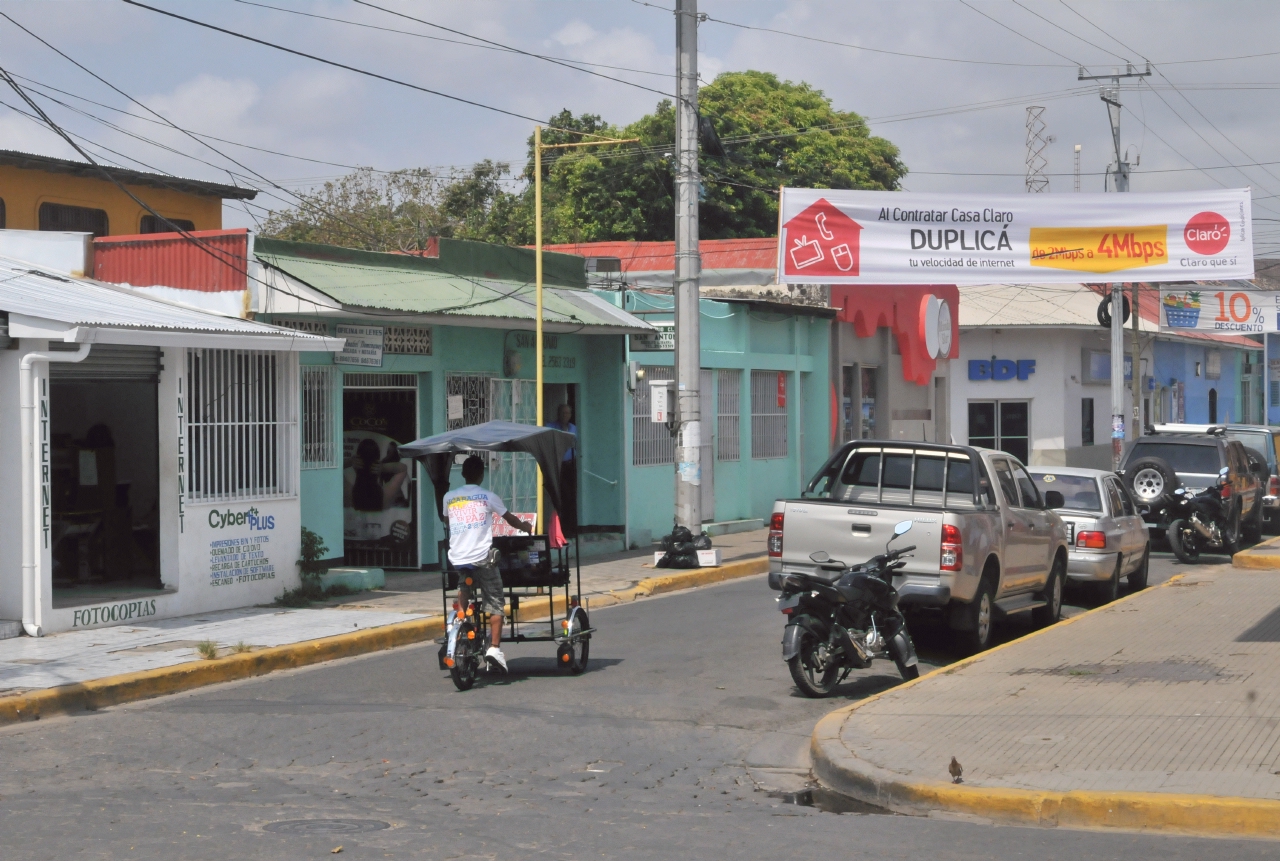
<point x="155" y="447"/>
<point x="1033" y="377"/>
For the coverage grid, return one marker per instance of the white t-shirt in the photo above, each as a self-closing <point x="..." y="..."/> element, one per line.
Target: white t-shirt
<point x="469" y="509"/>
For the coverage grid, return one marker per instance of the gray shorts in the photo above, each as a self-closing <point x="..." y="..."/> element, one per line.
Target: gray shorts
<point x="489" y="582"/>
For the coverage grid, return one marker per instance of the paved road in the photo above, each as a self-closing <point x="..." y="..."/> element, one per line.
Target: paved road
<point x="656" y="753"/>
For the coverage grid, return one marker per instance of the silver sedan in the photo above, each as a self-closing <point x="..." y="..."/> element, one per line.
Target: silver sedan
<point x="1106" y="537"/>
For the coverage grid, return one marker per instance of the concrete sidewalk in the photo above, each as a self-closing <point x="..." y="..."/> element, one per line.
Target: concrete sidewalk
<point x="28" y="664"/>
<point x="1168" y="701"/>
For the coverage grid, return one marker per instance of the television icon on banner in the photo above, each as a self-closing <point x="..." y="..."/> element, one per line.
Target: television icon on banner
<point x="821" y="241"/>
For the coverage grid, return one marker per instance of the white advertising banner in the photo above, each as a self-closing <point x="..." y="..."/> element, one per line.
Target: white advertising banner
<point x="832" y="236"/>
<point x="1219" y="308"/>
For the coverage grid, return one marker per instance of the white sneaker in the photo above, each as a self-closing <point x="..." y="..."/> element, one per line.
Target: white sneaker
<point x="493" y="653"/>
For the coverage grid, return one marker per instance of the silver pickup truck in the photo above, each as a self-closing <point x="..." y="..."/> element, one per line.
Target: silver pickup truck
<point x="988" y="545"/>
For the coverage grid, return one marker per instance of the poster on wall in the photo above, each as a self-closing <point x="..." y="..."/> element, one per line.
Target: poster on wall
<point x="377" y="499"/>
<point x="1219" y="308"/>
<point x="834" y="236"/>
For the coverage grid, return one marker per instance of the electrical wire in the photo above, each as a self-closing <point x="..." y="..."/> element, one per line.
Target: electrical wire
<point x="1020" y="35"/>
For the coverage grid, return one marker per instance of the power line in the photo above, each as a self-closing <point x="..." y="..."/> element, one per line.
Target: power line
<point x="356" y="69"/>
<point x="1058" y="26"/>
<point x="442" y="39"/>
<point x="1000" y="23"/>
<point x="514" y="50"/>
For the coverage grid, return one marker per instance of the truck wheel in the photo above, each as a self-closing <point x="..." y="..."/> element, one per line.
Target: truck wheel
<point x="1151" y="480"/>
<point x="980" y="619"/>
<point x="1052" y="609"/>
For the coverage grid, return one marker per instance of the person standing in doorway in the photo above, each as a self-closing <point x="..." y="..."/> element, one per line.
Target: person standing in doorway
<point x="470" y="511"/>
<point x="568" y="471"/>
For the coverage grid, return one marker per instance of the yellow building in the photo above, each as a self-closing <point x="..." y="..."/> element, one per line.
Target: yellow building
<point x="42" y="193"/>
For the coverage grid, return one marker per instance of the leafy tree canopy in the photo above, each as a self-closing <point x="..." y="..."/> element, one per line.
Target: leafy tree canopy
<point x="774" y="133"/>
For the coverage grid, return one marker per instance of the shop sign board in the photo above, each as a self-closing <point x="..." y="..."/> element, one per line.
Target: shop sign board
<point x="835" y="236"/>
<point x="363" y="346"/>
<point x="1223" y="309"/>
<point x="663" y="338"/>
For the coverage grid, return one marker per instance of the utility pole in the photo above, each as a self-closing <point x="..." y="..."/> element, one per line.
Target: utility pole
<point x="688" y="351"/>
<point x="1120" y="175"/>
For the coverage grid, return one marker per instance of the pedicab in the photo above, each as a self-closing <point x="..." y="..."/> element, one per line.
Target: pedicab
<point x="530" y="566"/>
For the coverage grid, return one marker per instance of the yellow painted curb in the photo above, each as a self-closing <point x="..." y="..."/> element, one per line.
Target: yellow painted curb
<point x="1255" y="560"/>
<point x="1208" y="815"/>
<point x="128" y="687"/>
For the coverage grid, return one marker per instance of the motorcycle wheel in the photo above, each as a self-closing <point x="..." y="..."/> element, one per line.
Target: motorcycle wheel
<point x="1182" y="542"/>
<point x="1231" y="536"/>
<point x="465" y="659"/>
<point x="812" y="680"/>
<point x="907" y="673"/>
<point x="572" y="656"/>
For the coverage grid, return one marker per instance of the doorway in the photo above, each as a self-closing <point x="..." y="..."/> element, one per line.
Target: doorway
<point x="1213" y="405"/>
<point x="554" y="397"/>
<point x="379" y="488"/>
<point x="105" y="475"/>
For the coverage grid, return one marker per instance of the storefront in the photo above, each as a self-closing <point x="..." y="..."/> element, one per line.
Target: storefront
<point x="1034" y="376"/>
<point x="157" y="446"/>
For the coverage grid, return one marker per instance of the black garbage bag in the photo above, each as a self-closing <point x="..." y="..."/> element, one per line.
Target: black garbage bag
<point x="702" y="542"/>
<point x="681" y="549"/>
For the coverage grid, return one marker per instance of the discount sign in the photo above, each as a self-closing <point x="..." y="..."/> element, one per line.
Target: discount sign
<point x="1220" y="309"/>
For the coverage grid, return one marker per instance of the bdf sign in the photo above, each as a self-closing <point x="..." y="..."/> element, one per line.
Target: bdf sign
<point x="1001" y="369"/>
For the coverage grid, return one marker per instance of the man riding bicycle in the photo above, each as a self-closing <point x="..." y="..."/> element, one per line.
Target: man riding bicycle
<point x="471" y="538"/>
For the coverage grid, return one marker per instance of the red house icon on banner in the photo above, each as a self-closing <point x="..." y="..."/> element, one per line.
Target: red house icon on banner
<point x="821" y="242"/>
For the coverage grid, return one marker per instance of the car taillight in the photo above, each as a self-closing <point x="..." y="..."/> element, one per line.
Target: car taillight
<point x="951" y="557"/>
<point x="1273" y="486"/>
<point x="1091" y="540"/>
<point x="775" y="535"/>
<point x="1225" y="491"/>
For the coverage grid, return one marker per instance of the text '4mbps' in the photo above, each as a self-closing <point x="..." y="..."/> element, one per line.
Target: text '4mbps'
<point x="1001" y="369"/>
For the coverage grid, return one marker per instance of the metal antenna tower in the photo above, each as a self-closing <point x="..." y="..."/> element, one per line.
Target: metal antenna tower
<point x="1077" y="167"/>
<point x="1111" y="95"/>
<point x="1036" y="142"/>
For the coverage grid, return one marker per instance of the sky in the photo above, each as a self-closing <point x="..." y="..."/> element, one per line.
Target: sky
<point x="948" y="81"/>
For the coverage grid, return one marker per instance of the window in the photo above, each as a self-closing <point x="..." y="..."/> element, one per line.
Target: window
<point x="1213" y="364"/>
<point x="1027" y="488"/>
<point x="1079" y="492"/>
<point x="728" y="410"/>
<point x="768" y="414"/>
<point x="1213" y="405"/>
<point x="1086" y="421"/>
<point x="242" y="425"/>
<point x="651" y="442"/>
<point x="1194" y="459"/>
<point x="867" y="379"/>
<point x="467" y="400"/>
<point x="77" y="219"/>
<point x="904" y="477"/>
<point x="1004" y="475"/>
<point x="319" y="442"/>
<point x="151" y="224"/>
<point x="2" y="222"/>
<point x="1002" y="425"/>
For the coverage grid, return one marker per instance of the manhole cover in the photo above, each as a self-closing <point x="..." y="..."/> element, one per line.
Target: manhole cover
<point x="326" y="826"/>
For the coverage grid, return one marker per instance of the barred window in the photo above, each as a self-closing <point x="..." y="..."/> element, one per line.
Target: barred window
<point x="319" y="441"/>
<point x="728" y="409"/>
<point x="768" y="414"/>
<point x="407" y="341"/>
<point x="651" y="442"/>
<point x="467" y="400"/>
<point x="242" y="425"/>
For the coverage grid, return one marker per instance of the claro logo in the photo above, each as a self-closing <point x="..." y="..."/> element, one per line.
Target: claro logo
<point x="1207" y="233"/>
<point x="251" y="518"/>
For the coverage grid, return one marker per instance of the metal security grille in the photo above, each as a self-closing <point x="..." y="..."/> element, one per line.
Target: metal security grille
<point x="768" y="420"/>
<point x="728" y="415"/>
<point x="472" y="394"/>
<point x="311" y="327"/>
<point x="242" y="425"/>
<point x="111" y="362"/>
<point x="407" y="340"/>
<point x="319" y="441"/>
<point x="651" y="442"/>
<point x="380" y="381"/>
<point x="512" y="475"/>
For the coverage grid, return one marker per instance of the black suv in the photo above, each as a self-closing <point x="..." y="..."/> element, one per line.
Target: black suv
<point x="1157" y="464"/>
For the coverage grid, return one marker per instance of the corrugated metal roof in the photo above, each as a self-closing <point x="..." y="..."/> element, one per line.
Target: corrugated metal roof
<point x="34" y="292"/>
<point x="32" y="161"/>
<point x="394" y="282"/>
<point x="172" y="260"/>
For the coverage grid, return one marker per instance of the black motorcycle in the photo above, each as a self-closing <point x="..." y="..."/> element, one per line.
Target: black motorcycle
<point x="837" y="626"/>
<point x="1207" y="520"/>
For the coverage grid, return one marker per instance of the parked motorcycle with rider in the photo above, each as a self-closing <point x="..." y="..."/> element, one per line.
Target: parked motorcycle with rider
<point x="836" y="626"/>
<point x="1201" y="521"/>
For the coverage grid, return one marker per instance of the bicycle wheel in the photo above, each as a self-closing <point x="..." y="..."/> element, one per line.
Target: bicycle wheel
<point x="465" y="658"/>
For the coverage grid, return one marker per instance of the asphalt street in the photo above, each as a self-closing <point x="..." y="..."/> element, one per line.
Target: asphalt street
<point x="666" y="748"/>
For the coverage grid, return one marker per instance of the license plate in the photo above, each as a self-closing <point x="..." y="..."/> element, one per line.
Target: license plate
<point x="786" y="602"/>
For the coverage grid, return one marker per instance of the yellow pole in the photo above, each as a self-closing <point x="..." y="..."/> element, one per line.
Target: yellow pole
<point x="537" y="241"/>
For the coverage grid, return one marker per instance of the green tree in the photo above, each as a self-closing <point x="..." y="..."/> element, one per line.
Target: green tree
<point x="774" y="133"/>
